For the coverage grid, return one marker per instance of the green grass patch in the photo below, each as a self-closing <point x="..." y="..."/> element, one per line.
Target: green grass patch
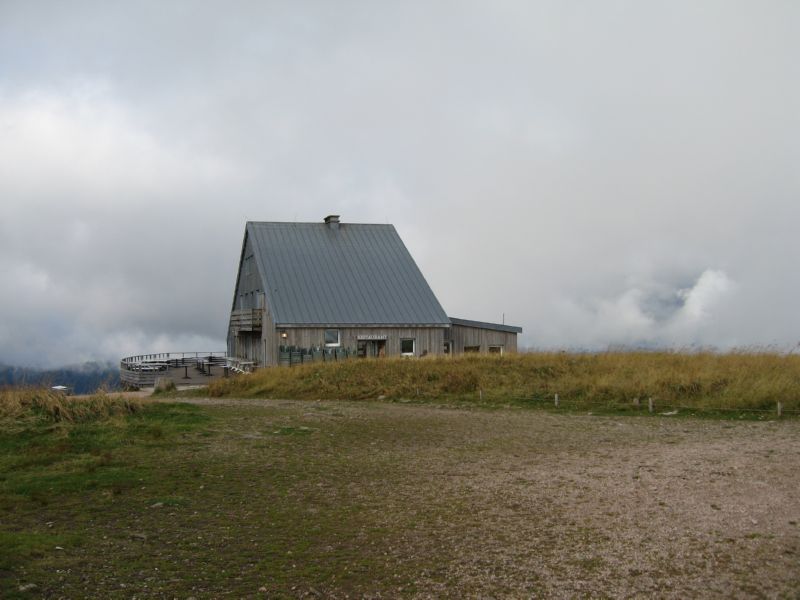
<point x="41" y="461"/>
<point x="19" y="547"/>
<point x="64" y="467"/>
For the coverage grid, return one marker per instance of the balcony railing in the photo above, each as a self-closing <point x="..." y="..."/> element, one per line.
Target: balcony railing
<point x="247" y="319"/>
<point x="143" y="370"/>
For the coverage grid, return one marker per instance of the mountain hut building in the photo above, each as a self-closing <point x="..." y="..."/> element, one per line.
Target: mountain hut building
<point x="342" y="289"/>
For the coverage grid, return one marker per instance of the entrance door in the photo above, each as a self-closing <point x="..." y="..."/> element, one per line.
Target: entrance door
<point x="371" y="348"/>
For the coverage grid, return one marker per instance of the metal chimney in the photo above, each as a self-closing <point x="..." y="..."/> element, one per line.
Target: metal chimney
<point x="332" y="221"/>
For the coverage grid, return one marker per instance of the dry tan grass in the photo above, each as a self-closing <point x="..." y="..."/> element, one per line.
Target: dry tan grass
<point x="49" y="405"/>
<point x="754" y="381"/>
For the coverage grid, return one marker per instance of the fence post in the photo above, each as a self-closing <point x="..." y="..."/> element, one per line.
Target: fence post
<point x="636" y="402"/>
<point x="556" y="400"/>
<point x="480" y="394"/>
<point x="650" y="404"/>
<point x="780" y="408"/>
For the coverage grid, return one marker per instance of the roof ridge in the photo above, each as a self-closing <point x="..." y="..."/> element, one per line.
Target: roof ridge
<point x="319" y="223"/>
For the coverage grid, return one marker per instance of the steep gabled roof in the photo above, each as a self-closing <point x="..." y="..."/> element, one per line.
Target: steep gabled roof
<point x="348" y="274"/>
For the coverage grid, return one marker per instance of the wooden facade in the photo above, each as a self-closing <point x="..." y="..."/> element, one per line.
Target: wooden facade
<point x="481" y="339"/>
<point x="427" y="340"/>
<point x="262" y="346"/>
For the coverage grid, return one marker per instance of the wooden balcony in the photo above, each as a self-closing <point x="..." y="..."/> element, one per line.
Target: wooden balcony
<point x="248" y="319"/>
<point x="183" y="368"/>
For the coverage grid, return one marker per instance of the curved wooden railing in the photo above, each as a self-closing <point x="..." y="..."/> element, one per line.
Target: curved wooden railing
<point x="142" y="370"/>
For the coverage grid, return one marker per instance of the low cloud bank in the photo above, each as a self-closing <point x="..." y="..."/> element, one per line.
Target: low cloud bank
<point x="538" y="168"/>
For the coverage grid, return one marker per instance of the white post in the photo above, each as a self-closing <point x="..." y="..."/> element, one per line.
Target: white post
<point x="780" y="408"/>
<point x="650" y="404"/>
<point x="556" y="399"/>
<point x="480" y="394"/>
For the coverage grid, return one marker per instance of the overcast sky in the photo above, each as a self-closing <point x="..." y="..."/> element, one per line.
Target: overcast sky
<point x="604" y="173"/>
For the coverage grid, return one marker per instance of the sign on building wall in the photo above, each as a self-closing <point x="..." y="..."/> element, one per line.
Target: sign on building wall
<point x="371" y="337"/>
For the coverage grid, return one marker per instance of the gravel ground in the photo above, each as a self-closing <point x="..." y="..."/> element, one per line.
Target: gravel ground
<point x="549" y="505"/>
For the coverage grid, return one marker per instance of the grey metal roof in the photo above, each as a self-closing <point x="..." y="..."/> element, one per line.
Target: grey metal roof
<point x="484" y="325"/>
<point x="345" y="274"/>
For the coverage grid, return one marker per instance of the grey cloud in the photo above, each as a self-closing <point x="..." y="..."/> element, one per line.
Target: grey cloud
<point x="595" y="172"/>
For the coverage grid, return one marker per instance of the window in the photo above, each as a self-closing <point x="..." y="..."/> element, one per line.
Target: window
<point x="332" y="337"/>
<point x="407" y="347"/>
<point x="495" y="349"/>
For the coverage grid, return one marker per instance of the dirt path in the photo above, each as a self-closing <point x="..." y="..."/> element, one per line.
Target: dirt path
<point x="566" y="505"/>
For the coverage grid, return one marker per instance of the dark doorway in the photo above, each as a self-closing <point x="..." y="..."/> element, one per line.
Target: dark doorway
<point x="371" y="348"/>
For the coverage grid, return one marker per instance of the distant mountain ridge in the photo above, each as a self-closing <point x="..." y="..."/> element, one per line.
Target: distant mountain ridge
<point x="82" y="379"/>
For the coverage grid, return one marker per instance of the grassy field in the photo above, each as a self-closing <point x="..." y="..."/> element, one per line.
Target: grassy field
<point x="64" y="462"/>
<point x="25" y="406"/>
<point x="607" y="381"/>
<point x="292" y="499"/>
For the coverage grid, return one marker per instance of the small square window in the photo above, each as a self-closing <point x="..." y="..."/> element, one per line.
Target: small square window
<point x="332" y="337"/>
<point x="407" y="347"/>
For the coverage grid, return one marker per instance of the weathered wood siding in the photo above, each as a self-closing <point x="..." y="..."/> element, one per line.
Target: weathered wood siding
<point x="269" y="338"/>
<point x="249" y="287"/>
<point x="246" y="319"/>
<point x="247" y="346"/>
<point x="246" y="325"/>
<point x="428" y="340"/>
<point x="462" y="336"/>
